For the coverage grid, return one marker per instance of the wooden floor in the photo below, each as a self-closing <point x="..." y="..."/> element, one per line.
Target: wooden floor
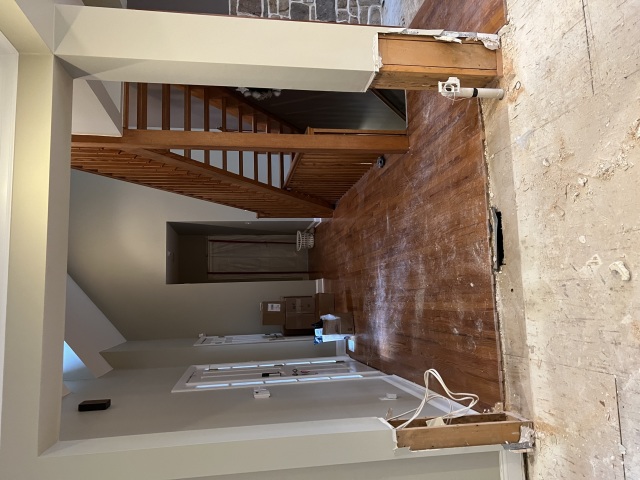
<point x="408" y="248"/>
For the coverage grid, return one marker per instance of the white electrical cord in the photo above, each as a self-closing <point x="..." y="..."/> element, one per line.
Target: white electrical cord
<point x="429" y="396"/>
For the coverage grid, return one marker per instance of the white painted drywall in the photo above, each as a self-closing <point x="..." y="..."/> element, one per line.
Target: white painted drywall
<point x="142" y="403"/>
<point x="8" y="87"/>
<point x="97" y="108"/>
<point x="40" y="14"/>
<point x="37" y="258"/>
<point x="87" y="330"/>
<point x="196" y="52"/>
<point x="117" y="255"/>
<point x="476" y="466"/>
<point x="181" y="352"/>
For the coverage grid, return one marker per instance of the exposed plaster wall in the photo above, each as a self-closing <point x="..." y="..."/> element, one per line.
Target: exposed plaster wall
<point x="564" y="159"/>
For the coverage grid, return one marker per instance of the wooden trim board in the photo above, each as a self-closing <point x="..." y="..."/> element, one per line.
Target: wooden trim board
<point x="414" y="62"/>
<point x="467" y="431"/>
<point x="247" y="142"/>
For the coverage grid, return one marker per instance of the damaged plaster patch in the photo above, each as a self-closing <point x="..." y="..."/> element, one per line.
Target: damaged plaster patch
<point x="489" y="40"/>
<point x="620" y="161"/>
<point x="621" y="269"/>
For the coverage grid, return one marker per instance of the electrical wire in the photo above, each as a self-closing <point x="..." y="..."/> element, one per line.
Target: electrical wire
<point x="429" y="396"/>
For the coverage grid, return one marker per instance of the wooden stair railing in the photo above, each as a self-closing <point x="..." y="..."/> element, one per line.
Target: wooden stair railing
<point x="221" y="109"/>
<point x="211" y="143"/>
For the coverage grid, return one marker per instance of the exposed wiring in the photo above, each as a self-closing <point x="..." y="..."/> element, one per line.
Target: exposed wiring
<point x="429" y="396"/>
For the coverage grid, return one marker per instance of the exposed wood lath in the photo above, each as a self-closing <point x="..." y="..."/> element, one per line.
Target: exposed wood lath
<point x="177" y="174"/>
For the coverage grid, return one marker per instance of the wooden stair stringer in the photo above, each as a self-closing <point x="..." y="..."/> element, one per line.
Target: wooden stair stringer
<point x="177" y="174"/>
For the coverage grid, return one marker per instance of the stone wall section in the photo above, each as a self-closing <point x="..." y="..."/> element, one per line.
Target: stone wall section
<point x="363" y="12"/>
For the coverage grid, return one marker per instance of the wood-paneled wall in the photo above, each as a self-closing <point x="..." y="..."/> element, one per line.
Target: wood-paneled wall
<point x="408" y="248"/>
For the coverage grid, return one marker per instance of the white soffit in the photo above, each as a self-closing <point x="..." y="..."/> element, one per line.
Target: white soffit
<point x="164" y="47"/>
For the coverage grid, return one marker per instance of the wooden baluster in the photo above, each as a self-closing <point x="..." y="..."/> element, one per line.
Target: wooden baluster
<point x="254" y="124"/>
<point x="223" y="127"/>
<point x="207" y="126"/>
<point x="166" y="107"/>
<point x="141" y="122"/>
<point x="269" y="158"/>
<point x="241" y="164"/>
<point x="187" y="115"/>
<point x="223" y="113"/>
<point x="125" y="108"/>
<point x="281" y="169"/>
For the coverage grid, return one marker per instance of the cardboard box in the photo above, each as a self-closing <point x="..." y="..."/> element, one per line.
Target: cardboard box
<point x="343" y="325"/>
<point x="298" y="321"/>
<point x="299" y="305"/>
<point x="325" y="304"/>
<point x="347" y="325"/>
<point x="273" y="312"/>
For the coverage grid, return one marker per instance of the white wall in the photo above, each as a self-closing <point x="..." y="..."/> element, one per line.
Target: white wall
<point x="181" y="352"/>
<point x="476" y="466"/>
<point x="87" y="330"/>
<point x="37" y="257"/>
<point x="40" y="14"/>
<point x="8" y="87"/>
<point x="117" y="255"/>
<point x="142" y="403"/>
<point x="97" y="108"/>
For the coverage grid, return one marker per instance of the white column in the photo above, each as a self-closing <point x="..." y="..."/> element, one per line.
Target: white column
<point x="9" y="88"/>
<point x="37" y="258"/>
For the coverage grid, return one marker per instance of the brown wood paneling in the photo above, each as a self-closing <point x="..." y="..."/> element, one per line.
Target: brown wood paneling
<point x="408" y="247"/>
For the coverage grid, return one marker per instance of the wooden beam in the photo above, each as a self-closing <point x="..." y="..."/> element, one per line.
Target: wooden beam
<point x="472" y="430"/>
<point x="142" y="91"/>
<point x="213" y="173"/>
<point x="247" y="142"/>
<point x="415" y="62"/>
